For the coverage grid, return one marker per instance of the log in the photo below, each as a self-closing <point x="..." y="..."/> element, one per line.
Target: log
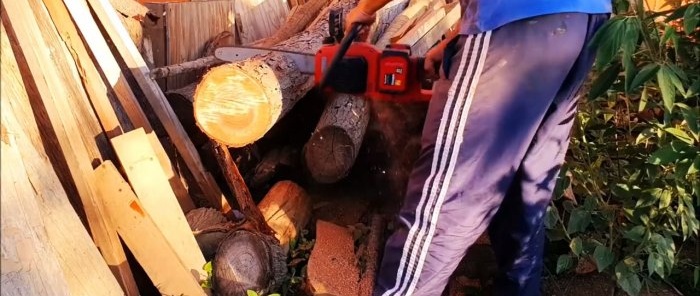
<point x="297" y="19"/>
<point x="275" y="161"/>
<point x="333" y="147"/>
<point x="423" y="26"/>
<point x="172" y="70"/>
<point x="433" y="36"/>
<point x="239" y="188"/>
<point x="247" y="260"/>
<point x="287" y="209"/>
<point x="46" y="249"/>
<point x="237" y="103"/>
<point x="65" y="127"/>
<point x="370" y="258"/>
<point x="201" y="221"/>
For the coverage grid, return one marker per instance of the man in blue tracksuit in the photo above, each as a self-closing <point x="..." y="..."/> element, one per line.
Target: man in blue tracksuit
<point x="494" y="139"/>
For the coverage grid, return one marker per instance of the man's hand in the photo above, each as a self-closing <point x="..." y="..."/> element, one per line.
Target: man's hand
<point x="364" y="13"/>
<point x="433" y="58"/>
<point x="359" y="16"/>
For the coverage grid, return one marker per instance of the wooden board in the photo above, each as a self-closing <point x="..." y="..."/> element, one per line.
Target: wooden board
<point x="56" y="101"/>
<point x="258" y="19"/>
<point x="435" y="34"/>
<point x="385" y="16"/>
<point x="421" y="27"/>
<point x="155" y="97"/>
<point x="45" y="247"/>
<point x="143" y="237"/>
<point x="148" y="179"/>
<point x="188" y="28"/>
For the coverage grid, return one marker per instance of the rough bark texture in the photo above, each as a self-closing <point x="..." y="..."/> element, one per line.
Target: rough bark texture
<point x="370" y="258"/>
<point x="185" y="67"/>
<point x="240" y="189"/>
<point x="331" y="152"/>
<point x="287" y="209"/>
<point x="248" y="260"/>
<point x="237" y="103"/>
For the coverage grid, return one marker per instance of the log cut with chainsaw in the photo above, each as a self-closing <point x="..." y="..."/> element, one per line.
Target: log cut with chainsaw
<point x="237" y="103"/>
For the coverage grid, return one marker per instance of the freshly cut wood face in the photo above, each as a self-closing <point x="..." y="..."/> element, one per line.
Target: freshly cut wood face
<point x="235" y="108"/>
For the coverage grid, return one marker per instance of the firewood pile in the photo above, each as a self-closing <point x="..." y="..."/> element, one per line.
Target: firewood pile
<point x="118" y="179"/>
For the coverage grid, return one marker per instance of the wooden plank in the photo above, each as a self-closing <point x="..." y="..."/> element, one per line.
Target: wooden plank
<point x="189" y="26"/>
<point x="420" y="28"/>
<point x="90" y="32"/>
<point x="54" y="103"/>
<point x="159" y="103"/>
<point x="385" y="16"/>
<point x="435" y="34"/>
<point x="29" y="263"/>
<point x="183" y="197"/>
<point x="402" y="22"/>
<point x="258" y="19"/>
<point x="143" y="237"/>
<point x="97" y="90"/>
<point x="146" y="176"/>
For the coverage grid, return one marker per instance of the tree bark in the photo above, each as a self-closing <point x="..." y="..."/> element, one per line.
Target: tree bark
<point x="172" y="70"/>
<point x="237" y="103"/>
<point x="287" y="210"/>
<point x="240" y="189"/>
<point x="333" y="147"/>
<point x="296" y="21"/>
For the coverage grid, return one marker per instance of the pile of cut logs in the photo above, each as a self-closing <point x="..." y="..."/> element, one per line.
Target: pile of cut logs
<point x="105" y="167"/>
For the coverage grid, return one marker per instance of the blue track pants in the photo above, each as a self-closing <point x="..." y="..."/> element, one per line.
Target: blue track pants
<point x="494" y="139"/>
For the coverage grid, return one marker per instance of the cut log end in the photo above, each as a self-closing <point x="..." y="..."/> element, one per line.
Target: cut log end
<point x="248" y="261"/>
<point x="329" y="154"/>
<point x="234" y="108"/>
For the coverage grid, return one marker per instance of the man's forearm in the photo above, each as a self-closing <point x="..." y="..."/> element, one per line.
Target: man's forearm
<point x="371" y="6"/>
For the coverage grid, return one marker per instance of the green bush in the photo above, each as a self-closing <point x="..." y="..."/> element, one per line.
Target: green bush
<point x="633" y="162"/>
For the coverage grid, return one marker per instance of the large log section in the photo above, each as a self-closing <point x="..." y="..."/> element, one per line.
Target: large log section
<point x="237" y="103"/>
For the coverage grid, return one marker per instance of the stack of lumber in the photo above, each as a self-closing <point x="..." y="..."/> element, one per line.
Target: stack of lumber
<point x="103" y="172"/>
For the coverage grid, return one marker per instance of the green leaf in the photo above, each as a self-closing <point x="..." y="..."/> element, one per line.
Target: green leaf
<point x="695" y="167"/>
<point x="275" y="294"/>
<point x="578" y="221"/>
<point x="643" y="99"/>
<point x="664" y="155"/>
<point x="691" y="18"/>
<point x="644" y="75"/>
<point x="576" y="246"/>
<point x="655" y="264"/>
<point x="207" y="267"/>
<point x="693" y="90"/>
<point x="251" y="293"/>
<point x="680" y="135"/>
<point x="564" y="263"/>
<point x="608" y="40"/>
<point x="551" y="217"/>
<point x="665" y="199"/>
<point x="646" y="134"/>
<point x="636" y="234"/>
<point x="692" y="119"/>
<point x="603" y="257"/>
<point x="604" y="81"/>
<point x="696" y="276"/>
<point x="627" y="279"/>
<point x="665" y="78"/>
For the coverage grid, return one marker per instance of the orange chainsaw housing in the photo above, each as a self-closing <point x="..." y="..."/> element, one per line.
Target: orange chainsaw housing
<point x="391" y="74"/>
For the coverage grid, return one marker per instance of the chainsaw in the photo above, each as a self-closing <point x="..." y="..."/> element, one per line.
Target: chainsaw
<point x="343" y="65"/>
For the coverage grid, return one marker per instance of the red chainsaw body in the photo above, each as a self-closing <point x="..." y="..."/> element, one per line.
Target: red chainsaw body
<point x="391" y="74"/>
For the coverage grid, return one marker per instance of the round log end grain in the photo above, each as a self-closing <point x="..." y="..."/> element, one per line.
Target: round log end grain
<point x="236" y="104"/>
<point x="247" y="260"/>
<point x="329" y="154"/>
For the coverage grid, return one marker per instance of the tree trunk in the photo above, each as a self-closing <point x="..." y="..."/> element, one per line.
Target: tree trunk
<point x="247" y="260"/>
<point x="331" y="152"/>
<point x="237" y="103"/>
<point x="287" y="209"/>
<point x="296" y="21"/>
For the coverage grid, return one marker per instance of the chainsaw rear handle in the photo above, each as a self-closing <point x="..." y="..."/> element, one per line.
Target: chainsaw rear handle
<point x="343" y="48"/>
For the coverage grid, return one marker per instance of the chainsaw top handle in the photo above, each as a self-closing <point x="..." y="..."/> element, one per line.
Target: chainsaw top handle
<point x="343" y="48"/>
